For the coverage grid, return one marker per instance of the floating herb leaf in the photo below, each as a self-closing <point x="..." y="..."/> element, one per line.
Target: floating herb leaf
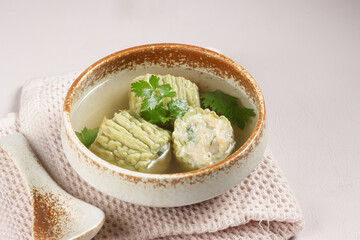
<point x="228" y="106"/>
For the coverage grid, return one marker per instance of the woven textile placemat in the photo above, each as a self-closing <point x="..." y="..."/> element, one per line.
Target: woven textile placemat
<point x="261" y="207"/>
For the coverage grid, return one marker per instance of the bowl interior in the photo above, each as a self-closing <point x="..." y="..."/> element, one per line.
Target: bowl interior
<point x="103" y="88"/>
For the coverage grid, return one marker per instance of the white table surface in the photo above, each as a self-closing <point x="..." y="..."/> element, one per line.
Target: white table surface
<point x="305" y="55"/>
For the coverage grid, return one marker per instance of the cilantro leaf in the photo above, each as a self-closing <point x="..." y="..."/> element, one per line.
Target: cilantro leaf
<point x="154" y="81"/>
<point x="228" y="106"/>
<point x="87" y="136"/>
<point x="153" y="107"/>
<point x="151" y="102"/>
<point x="142" y="89"/>
<point x="178" y="108"/>
<point x="156" y="115"/>
<point x="218" y="101"/>
<point x="165" y="91"/>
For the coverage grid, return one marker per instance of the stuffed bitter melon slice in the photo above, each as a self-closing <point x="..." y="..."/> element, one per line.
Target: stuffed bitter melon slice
<point x="202" y="138"/>
<point x="130" y="142"/>
<point x="184" y="89"/>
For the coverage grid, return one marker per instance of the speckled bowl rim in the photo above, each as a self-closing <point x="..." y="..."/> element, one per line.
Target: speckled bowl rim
<point x="204" y="171"/>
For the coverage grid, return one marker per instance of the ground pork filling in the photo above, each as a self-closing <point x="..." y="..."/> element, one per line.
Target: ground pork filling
<point x="204" y="139"/>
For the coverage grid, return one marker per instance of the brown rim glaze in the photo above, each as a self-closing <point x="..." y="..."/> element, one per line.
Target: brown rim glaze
<point x="255" y="135"/>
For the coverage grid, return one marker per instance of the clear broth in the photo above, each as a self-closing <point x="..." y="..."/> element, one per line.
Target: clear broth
<point x="111" y="95"/>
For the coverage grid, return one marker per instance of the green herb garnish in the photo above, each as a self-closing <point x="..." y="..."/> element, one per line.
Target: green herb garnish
<point x="190" y="133"/>
<point x="87" y="136"/>
<point x="153" y="108"/>
<point x="159" y="153"/>
<point x="212" y="140"/>
<point x="228" y="106"/>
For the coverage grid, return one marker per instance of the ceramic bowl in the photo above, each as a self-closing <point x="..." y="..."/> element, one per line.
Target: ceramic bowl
<point x="103" y="88"/>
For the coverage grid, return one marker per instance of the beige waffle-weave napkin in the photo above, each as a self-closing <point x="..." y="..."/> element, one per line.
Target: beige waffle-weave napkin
<point x="260" y="207"/>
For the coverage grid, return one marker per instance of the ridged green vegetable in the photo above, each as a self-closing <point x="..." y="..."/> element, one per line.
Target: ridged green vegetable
<point x="184" y="89"/>
<point x="128" y="141"/>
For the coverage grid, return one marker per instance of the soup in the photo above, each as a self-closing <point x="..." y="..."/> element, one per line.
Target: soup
<point x="112" y="94"/>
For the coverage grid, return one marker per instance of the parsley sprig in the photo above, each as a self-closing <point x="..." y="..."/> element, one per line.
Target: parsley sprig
<point x="228" y="106"/>
<point x="153" y="107"/>
<point x="87" y="136"/>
